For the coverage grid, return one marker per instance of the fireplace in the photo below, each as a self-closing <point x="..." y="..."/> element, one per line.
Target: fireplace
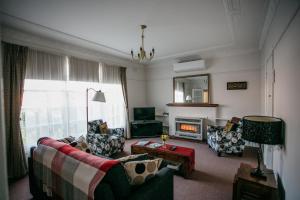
<point x="190" y="128"/>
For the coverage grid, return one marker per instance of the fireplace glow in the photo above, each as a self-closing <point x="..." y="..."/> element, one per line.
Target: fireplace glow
<point x="189" y="128"/>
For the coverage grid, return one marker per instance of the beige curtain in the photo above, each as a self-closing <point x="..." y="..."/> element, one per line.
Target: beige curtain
<point x="109" y="74"/>
<point x="83" y="70"/>
<point x="14" y="67"/>
<point x="45" y="66"/>
<point x="125" y="95"/>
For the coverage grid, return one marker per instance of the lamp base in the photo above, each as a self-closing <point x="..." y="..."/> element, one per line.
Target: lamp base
<point x="258" y="173"/>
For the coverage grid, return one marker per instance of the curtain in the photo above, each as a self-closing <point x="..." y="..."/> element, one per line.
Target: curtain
<point x="179" y="92"/>
<point x="83" y="70"/>
<point x="114" y="110"/>
<point x="109" y="74"/>
<point x="14" y="68"/>
<point x="125" y="96"/>
<point x="45" y="66"/>
<point x="57" y="108"/>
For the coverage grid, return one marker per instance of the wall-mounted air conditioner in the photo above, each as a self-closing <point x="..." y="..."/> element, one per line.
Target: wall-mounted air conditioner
<point x="195" y="65"/>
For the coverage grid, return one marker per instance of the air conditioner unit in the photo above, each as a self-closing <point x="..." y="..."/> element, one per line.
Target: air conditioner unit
<point x="195" y="65"/>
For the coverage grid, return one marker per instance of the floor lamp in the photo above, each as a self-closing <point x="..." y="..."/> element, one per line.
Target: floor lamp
<point x="98" y="96"/>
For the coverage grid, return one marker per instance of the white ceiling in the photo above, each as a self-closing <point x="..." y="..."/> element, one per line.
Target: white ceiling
<point x="175" y="27"/>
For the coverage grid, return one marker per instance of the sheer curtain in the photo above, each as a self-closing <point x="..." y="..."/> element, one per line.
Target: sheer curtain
<point x="114" y="110"/>
<point x="55" y="105"/>
<point x="44" y="110"/>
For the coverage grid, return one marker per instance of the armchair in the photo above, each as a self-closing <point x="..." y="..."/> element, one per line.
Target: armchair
<point x="226" y="142"/>
<point x="104" y="144"/>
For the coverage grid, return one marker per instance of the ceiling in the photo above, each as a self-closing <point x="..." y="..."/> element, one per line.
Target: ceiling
<point x="176" y="28"/>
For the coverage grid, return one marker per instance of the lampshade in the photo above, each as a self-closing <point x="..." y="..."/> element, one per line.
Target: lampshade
<point x="99" y="96"/>
<point x="263" y="129"/>
<point x="188" y="98"/>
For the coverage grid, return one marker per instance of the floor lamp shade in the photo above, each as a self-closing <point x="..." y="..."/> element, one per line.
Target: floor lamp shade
<point x="99" y="96"/>
<point x="263" y="130"/>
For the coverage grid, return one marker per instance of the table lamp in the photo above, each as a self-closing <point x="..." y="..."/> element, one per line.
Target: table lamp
<point x="98" y="96"/>
<point x="262" y="130"/>
<point x="188" y="98"/>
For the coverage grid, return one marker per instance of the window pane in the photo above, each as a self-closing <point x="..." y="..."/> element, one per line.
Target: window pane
<point x="58" y="108"/>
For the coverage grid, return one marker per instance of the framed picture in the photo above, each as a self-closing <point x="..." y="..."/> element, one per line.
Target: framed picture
<point x="237" y="85"/>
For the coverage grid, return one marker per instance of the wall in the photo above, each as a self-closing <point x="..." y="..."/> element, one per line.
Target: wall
<point x="135" y="72"/>
<point x="244" y="67"/>
<point x="3" y="171"/>
<point x="283" y="40"/>
<point x="136" y="88"/>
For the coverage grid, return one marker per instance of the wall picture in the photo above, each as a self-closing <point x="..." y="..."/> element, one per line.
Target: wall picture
<point x="237" y="85"/>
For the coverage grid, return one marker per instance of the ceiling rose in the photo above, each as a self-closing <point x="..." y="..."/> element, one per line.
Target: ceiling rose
<point x="142" y="55"/>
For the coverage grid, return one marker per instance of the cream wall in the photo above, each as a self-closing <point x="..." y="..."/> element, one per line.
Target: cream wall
<point x="246" y="67"/>
<point x="3" y="171"/>
<point x="283" y="41"/>
<point x="136" y="86"/>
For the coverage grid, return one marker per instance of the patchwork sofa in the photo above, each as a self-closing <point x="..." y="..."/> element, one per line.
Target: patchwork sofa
<point x="115" y="185"/>
<point x="221" y="141"/>
<point x="104" y="144"/>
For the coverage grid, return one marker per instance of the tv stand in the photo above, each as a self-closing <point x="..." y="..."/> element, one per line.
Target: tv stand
<point x="146" y="128"/>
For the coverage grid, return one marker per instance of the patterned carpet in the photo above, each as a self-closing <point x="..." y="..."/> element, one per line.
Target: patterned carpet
<point x="212" y="179"/>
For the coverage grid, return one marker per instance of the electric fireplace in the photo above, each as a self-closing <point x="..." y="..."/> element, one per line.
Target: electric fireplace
<point x="191" y="128"/>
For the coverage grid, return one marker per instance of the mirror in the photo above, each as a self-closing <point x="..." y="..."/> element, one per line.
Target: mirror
<point x="191" y="89"/>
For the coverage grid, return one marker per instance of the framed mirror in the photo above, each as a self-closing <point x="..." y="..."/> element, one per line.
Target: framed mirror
<point x="191" y="89"/>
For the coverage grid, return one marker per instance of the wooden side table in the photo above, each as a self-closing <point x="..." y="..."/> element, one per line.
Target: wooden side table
<point x="246" y="187"/>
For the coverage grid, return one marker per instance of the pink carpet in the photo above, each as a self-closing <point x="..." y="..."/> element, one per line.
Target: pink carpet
<point x="212" y="179"/>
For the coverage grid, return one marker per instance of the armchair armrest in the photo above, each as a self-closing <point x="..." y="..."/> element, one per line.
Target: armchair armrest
<point x="159" y="187"/>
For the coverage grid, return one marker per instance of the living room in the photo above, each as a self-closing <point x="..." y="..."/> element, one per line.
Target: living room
<point x="59" y="58"/>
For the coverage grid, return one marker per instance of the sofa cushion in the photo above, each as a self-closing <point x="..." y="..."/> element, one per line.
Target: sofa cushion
<point x="235" y="120"/>
<point x="103" y="128"/>
<point x="67" y="140"/>
<point x="229" y="126"/>
<point x="81" y="144"/>
<point x="140" y="171"/>
<point x="134" y="157"/>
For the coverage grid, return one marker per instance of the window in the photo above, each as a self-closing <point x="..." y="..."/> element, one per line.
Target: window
<point x="57" y="108"/>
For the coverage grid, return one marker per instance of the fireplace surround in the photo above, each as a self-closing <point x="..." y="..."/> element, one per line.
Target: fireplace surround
<point x="190" y="128"/>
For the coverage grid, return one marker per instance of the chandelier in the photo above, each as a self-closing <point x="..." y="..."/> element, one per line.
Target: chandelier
<point x="142" y="55"/>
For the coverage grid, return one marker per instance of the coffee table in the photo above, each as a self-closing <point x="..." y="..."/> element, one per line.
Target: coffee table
<point x="183" y="155"/>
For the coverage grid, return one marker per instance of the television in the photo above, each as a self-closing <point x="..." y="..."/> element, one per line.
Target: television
<point x="144" y="113"/>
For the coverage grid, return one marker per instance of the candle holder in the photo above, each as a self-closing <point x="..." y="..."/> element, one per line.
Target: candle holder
<point x="164" y="138"/>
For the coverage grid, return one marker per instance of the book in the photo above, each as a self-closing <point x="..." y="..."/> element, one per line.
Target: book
<point x="174" y="167"/>
<point x="142" y="142"/>
<point x="154" y="145"/>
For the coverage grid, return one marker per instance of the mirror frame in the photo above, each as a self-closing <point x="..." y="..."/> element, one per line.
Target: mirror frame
<point x="187" y="76"/>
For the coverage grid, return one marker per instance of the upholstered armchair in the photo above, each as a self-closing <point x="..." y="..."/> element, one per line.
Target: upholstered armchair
<point x="104" y="144"/>
<point x="222" y="141"/>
